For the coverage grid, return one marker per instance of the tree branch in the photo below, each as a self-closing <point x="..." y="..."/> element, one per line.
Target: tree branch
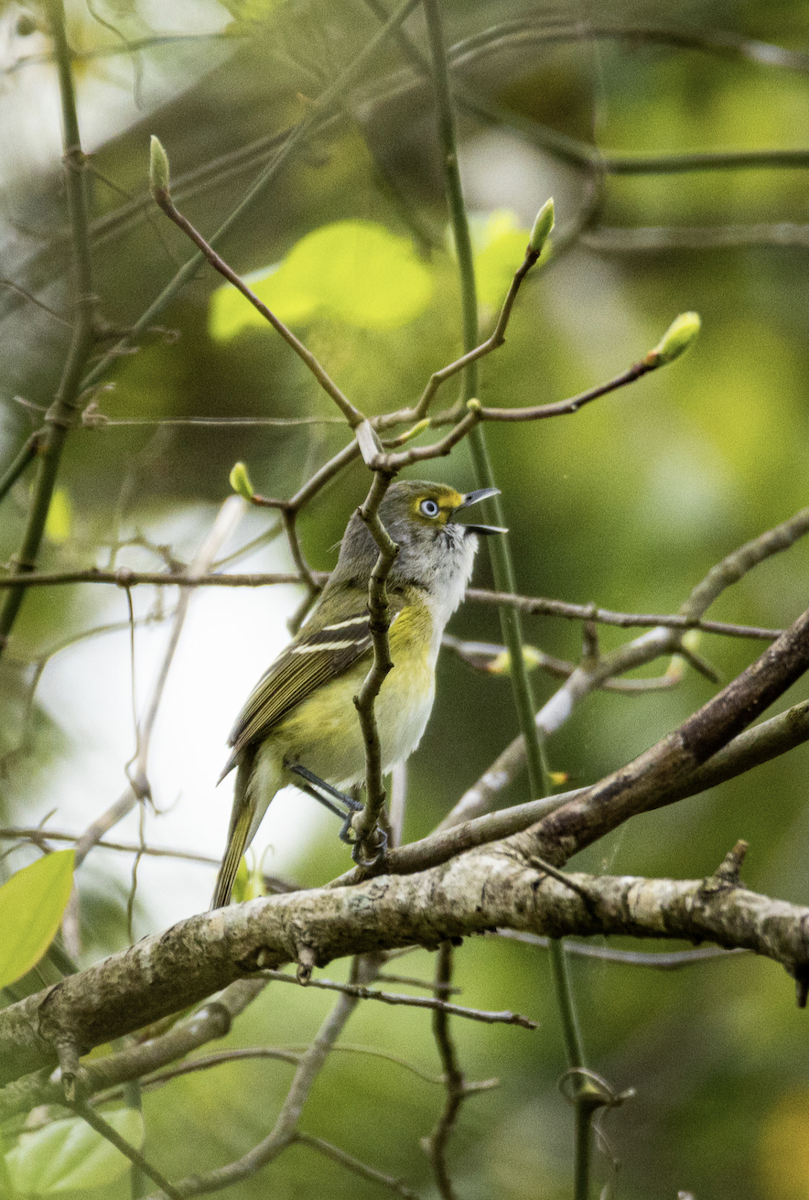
<point x="480" y="890"/>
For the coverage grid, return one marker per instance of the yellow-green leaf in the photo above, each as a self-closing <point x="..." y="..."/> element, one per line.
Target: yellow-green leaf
<point x="59" y="522"/>
<point x="31" y="906"/>
<point x="499" y="244"/>
<point x="354" y="272"/>
<point x="69" y="1155"/>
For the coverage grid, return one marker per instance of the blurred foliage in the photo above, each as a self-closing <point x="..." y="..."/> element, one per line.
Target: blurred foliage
<point x="68" y="1156"/>
<point x="627" y="503"/>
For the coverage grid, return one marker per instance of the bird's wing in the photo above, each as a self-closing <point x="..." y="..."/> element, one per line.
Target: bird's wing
<point x="318" y="654"/>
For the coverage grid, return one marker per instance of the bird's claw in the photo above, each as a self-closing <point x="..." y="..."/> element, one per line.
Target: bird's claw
<point x="378" y="840"/>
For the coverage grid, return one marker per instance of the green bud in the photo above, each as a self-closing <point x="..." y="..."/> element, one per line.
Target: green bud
<point x="158" y="167"/>
<point x="557" y="778"/>
<point x="240" y="481"/>
<point x="542" y="227"/>
<point x="501" y="663"/>
<point x="692" y="639"/>
<point x="677" y="338"/>
<point x="418" y="428"/>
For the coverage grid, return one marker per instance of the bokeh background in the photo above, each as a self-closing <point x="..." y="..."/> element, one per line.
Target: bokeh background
<point x="627" y="503"/>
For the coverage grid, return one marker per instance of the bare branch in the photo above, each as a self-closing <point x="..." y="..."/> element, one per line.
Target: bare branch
<point x="365" y="993"/>
<point x="39" y="834"/>
<point x="454" y="1083"/>
<point x="635" y="788"/>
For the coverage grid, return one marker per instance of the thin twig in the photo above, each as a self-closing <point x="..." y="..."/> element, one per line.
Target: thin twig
<point x="535" y="605"/>
<point x="287" y="1054"/>
<point x="28" y="452"/>
<point x="656" y="960"/>
<point x="97" y="1122"/>
<point x="364" y="993"/>
<point x="539" y="606"/>
<point x="354" y="1164"/>
<point x="651" y="240"/>
<point x="536" y="30"/>
<point x="379" y="623"/>
<point x="37" y="834"/>
<point x="454" y="1083"/>
<point x="559" y="408"/>
<point x="126" y="577"/>
<point x="487" y="656"/>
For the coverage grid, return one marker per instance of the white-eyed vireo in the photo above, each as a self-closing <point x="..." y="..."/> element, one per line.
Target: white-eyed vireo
<point x="300" y="723"/>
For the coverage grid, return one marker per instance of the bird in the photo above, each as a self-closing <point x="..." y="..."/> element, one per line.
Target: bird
<point x="300" y="725"/>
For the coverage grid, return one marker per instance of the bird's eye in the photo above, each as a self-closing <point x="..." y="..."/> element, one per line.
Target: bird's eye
<point x="429" y="508"/>
<point x="26" y="25"/>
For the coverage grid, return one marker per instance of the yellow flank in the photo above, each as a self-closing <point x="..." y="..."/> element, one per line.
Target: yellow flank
<point x="317" y="732"/>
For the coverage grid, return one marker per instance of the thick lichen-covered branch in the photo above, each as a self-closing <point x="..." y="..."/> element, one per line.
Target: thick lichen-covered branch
<point x="484" y="889"/>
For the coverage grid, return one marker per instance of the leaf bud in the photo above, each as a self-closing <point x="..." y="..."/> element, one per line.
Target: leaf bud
<point x="158" y="167"/>
<point x="240" y="481"/>
<point x="542" y="227"/>
<point x="677" y="338"/>
<point x="501" y="663"/>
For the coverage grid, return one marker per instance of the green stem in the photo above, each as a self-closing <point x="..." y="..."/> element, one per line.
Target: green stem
<point x="511" y="623"/>
<point x="455" y="200"/>
<point x="500" y="554"/>
<point x="574" y="1053"/>
<point x="27" y="454"/>
<point x="584" y="1141"/>
<point x="61" y="415"/>
<point x="502" y="562"/>
<point x="571" y="1035"/>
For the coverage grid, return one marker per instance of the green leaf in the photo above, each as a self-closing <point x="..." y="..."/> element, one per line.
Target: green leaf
<point x="68" y="1155"/>
<point x="499" y="244"/>
<point x="354" y="272"/>
<point x="59" y="521"/>
<point x="31" y="906"/>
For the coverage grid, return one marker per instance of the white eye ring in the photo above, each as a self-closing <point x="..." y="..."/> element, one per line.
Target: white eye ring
<point x="429" y="508"/>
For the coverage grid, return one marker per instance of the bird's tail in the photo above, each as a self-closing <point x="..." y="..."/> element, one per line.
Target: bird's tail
<point x="239" y="836"/>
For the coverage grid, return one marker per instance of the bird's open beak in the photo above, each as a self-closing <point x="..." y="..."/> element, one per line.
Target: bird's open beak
<point x="473" y="498"/>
